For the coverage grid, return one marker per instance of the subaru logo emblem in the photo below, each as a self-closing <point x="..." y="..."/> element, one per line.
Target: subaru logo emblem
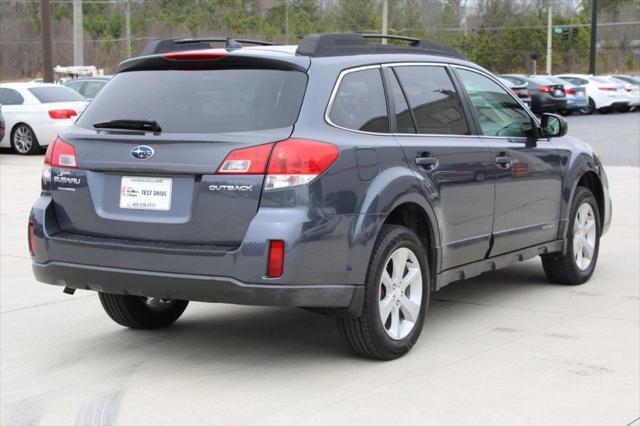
<point x="142" y="152"/>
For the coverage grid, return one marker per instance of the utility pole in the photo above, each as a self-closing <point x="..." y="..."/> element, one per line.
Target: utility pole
<point x="592" y="48"/>
<point x="127" y="26"/>
<point x="47" y="55"/>
<point x="385" y="19"/>
<point x="549" y="38"/>
<point x="78" y="56"/>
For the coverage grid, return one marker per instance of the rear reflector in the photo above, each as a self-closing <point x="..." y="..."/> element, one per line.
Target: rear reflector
<point x="60" y="114"/>
<point x="247" y="161"/>
<point x="276" y="258"/>
<point x="60" y="154"/>
<point x="32" y="239"/>
<point x="196" y="55"/>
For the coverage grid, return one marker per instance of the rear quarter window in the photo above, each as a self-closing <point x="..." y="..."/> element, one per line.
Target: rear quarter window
<point x="10" y="97"/>
<point x="360" y="103"/>
<point x="207" y="101"/>
<point x="50" y="94"/>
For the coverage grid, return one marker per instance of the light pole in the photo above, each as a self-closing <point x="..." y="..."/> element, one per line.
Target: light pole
<point x="78" y="51"/>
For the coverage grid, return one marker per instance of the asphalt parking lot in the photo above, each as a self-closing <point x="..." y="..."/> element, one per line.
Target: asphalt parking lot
<point x="503" y="348"/>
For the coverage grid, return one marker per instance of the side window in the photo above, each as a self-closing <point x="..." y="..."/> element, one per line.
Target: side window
<point x="433" y="98"/>
<point x="498" y="112"/>
<point x="10" y="97"/>
<point x="360" y="103"/>
<point x="404" y="121"/>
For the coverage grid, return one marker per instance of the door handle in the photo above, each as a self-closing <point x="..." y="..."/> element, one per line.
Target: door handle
<point x="504" y="161"/>
<point x="428" y="163"/>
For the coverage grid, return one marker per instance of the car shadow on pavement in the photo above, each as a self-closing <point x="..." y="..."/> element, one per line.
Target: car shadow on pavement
<point x="225" y="333"/>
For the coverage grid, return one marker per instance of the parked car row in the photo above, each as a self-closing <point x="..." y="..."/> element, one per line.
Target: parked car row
<point x="34" y="113"/>
<point x="569" y="93"/>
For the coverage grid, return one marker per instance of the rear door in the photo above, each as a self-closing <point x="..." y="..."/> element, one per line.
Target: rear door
<point x="455" y="168"/>
<point x="528" y="170"/>
<point x="164" y="186"/>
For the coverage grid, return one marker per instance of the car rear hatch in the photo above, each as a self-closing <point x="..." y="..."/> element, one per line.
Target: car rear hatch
<point x="163" y="184"/>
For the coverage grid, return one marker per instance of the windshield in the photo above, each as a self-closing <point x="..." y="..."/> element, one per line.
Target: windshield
<point x="209" y="101"/>
<point x="51" y="94"/>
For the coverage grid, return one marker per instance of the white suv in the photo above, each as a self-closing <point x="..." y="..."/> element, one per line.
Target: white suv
<point x="604" y="94"/>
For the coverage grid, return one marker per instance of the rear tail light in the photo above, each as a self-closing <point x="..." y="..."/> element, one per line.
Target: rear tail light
<point x="247" y="161"/>
<point x="276" y="259"/>
<point x="298" y="161"/>
<point x="32" y="239"/>
<point x="60" y="114"/>
<point x="545" y="89"/>
<point x="607" y="89"/>
<point x="288" y="163"/>
<point x="569" y="91"/>
<point x="61" y="154"/>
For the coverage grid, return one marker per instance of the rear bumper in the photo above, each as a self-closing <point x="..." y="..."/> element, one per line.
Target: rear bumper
<point x="198" y="287"/>
<point x="323" y="266"/>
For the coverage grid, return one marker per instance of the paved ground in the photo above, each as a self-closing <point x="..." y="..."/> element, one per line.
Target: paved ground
<point x="504" y="348"/>
<point x="614" y="136"/>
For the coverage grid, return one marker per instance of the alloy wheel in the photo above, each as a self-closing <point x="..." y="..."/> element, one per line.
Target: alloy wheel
<point x="400" y="293"/>
<point x="584" y="236"/>
<point x="23" y="139"/>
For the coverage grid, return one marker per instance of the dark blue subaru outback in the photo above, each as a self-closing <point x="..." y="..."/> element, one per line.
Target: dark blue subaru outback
<point x="340" y="175"/>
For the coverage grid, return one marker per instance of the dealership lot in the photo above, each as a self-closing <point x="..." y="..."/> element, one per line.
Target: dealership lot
<point x="506" y="347"/>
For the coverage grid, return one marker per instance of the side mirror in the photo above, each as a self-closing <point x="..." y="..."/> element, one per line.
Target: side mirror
<point x="553" y="126"/>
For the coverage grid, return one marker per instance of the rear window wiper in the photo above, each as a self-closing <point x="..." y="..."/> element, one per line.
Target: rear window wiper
<point x="144" y="125"/>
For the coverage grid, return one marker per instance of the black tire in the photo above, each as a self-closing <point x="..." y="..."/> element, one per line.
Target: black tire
<point x="624" y="109"/>
<point x="588" y="109"/>
<point x="135" y="312"/>
<point x="366" y="335"/>
<point x="604" y="110"/>
<point x="563" y="269"/>
<point x="565" y="112"/>
<point x="18" y="144"/>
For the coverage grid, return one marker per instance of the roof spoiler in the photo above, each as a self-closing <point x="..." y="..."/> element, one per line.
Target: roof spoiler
<point x="338" y="44"/>
<point x="166" y="45"/>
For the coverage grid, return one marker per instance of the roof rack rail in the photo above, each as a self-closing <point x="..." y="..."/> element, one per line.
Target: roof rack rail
<point x="413" y="40"/>
<point x="166" y="45"/>
<point x="339" y="44"/>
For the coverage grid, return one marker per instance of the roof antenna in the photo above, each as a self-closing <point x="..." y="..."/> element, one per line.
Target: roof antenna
<point x="231" y="44"/>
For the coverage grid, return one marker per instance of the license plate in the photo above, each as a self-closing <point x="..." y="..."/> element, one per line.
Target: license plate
<point x="145" y="193"/>
<point x="557" y="92"/>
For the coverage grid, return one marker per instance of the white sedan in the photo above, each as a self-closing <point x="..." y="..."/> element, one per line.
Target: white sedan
<point x="34" y="114"/>
<point x="604" y="94"/>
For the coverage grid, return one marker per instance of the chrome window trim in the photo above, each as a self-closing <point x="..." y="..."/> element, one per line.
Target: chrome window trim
<point x="336" y="86"/>
<point x="334" y="92"/>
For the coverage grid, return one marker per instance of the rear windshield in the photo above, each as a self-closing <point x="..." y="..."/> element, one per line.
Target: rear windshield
<point x="210" y="101"/>
<point x="544" y="80"/>
<point x="50" y="94"/>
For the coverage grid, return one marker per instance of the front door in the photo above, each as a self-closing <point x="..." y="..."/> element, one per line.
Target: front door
<point x="454" y="168"/>
<point x="528" y="170"/>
